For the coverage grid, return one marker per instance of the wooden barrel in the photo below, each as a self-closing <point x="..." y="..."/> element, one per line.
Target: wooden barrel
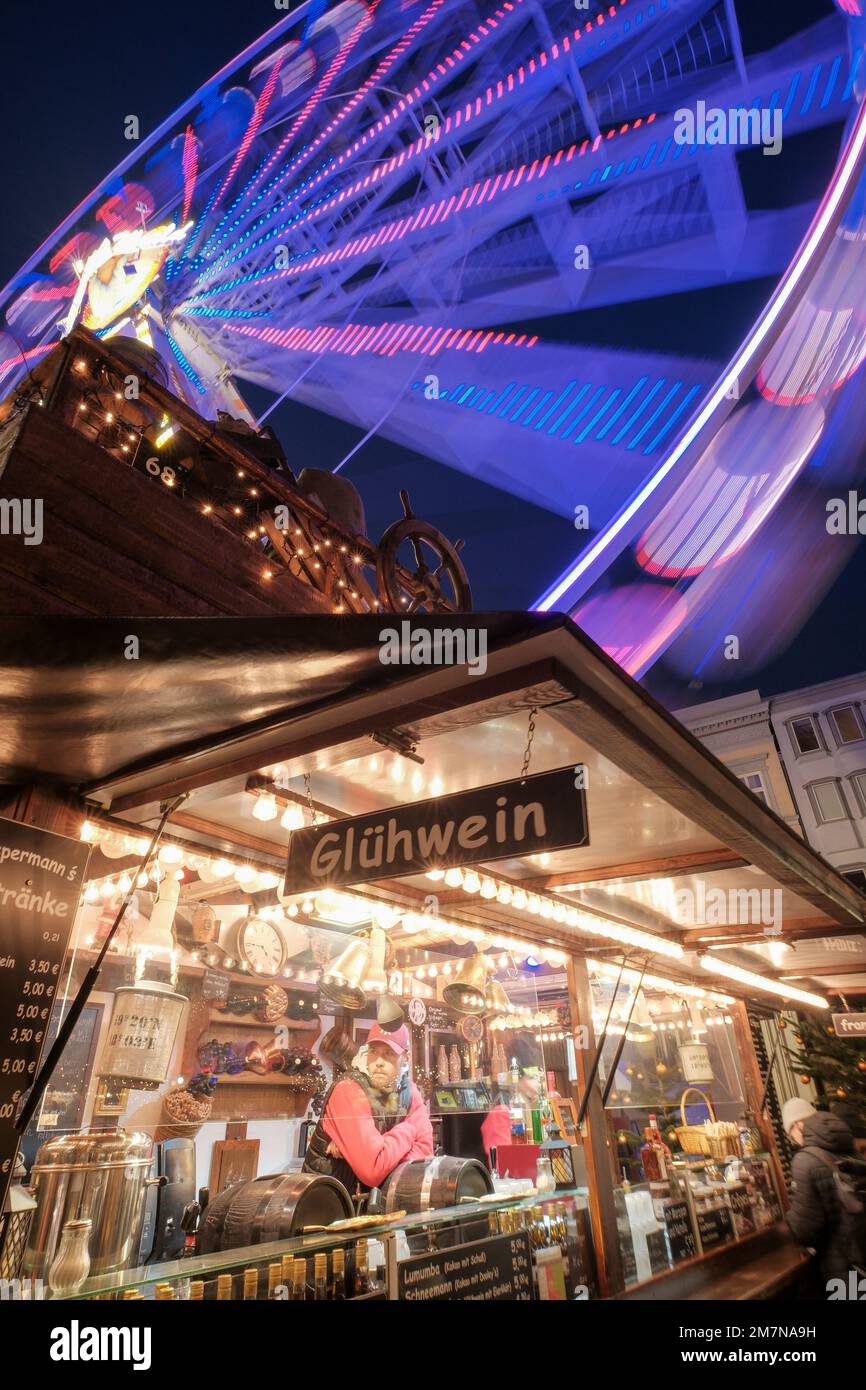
<point x="271" y="1208"/>
<point x="424" y="1184"/>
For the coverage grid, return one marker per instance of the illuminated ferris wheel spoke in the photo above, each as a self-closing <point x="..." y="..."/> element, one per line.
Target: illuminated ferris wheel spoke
<point x="400" y="212"/>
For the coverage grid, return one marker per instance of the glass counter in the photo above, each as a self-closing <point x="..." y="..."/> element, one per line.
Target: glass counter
<point x="537" y="1246"/>
<point x="704" y="1204"/>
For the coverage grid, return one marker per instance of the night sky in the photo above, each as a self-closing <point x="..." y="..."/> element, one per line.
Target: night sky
<point x="71" y="75"/>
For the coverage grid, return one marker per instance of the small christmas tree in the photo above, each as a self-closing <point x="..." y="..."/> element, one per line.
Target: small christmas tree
<point x="837" y="1066"/>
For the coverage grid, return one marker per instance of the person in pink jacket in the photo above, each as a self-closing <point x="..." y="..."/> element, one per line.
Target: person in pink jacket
<point x="371" y="1122"/>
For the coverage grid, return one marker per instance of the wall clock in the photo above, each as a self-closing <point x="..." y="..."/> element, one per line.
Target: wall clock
<point x="260" y="945"/>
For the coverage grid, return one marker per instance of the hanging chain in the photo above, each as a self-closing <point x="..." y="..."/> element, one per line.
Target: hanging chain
<point x="314" y="815"/>
<point x="527" y="752"/>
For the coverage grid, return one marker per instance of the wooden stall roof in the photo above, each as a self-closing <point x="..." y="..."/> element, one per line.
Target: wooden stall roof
<point x="207" y="705"/>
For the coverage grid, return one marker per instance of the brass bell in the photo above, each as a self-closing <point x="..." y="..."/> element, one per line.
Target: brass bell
<point x="342" y="982"/>
<point x="496" y="1001"/>
<point x="466" y="991"/>
<point x="389" y="1015"/>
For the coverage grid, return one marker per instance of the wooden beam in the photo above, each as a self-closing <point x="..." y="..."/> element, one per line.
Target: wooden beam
<point x="318" y="737"/>
<point x="819" y="970"/>
<point x="811" y="929"/>
<point x="598" y="1155"/>
<point x="708" y="861"/>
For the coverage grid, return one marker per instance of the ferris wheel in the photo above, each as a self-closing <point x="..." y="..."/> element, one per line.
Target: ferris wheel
<point x="414" y="214"/>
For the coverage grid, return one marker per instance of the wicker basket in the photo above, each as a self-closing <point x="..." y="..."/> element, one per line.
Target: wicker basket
<point x="693" y="1139"/>
<point x="724" y="1145"/>
<point x="174" y="1125"/>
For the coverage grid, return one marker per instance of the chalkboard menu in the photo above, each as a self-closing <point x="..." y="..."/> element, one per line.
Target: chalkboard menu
<point x="715" y="1226"/>
<point x="439" y="1018"/>
<point x="40" y="884"/>
<point x="679" y="1229"/>
<point x="496" y="1270"/>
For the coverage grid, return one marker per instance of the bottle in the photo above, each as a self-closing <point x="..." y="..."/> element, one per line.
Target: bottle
<point x="275" y="1279"/>
<point x="455" y="1072"/>
<point x="362" y="1275"/>
<point x="749" y="1135"/>
<point x="299" y="1281"/>
<point x="443" y="1075"/>
<point x="649" y="1158"/>
<point x="224" y="1286"/>
<point x="538" y="1236"/>
<point x="287" y="1265"/>
<point x="320" y="1277"/>
<point x="665" y="1160"/>
<point x="338" y="1274"/>
<point x="516" y="1112"/>
<point x="251" y="1284"/>
<point x="71" y="1265"/>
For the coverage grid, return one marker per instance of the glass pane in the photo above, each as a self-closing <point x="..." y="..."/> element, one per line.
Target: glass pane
<point x="828" y="801"/>
<point x="847" y="724"/>
<point x="805" y="735"/>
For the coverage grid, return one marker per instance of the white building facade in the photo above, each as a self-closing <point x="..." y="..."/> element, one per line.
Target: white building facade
<point x="821" y="734"/>
<point x="804" y="754"/>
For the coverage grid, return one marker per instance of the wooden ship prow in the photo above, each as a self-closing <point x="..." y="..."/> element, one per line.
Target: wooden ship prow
<point x="146" y="508"/>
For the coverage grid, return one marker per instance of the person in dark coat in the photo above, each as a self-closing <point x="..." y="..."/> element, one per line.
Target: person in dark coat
<point x="816" y="1217"/>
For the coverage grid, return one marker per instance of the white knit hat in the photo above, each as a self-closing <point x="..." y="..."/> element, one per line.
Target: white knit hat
<point x="794" y="1110"/>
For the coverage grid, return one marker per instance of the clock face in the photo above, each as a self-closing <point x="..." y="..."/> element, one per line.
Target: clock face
<point x="471" y="1028"/>
<point x="261" y="945"/>
<point x="417" y="1011"/>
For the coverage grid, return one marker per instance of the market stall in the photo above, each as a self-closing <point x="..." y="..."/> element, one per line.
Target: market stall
<point x="462" y="916"/>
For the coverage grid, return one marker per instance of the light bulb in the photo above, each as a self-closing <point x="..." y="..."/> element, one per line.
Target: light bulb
<point x="504" y="894"/>
<point x="89" y="832"/>
<point x="454" y="878"/>
<point x="265" y="807"/>
<point x="435" y="874"/>
<point x="267" y="879"/>
<point x="91" y="893"/>
<point x="471" y="883"/>
<point x="292" y="818"/>
<point x="171" y="854"/>
<point x="519" y="899"/>
<point x="245" y="873"/>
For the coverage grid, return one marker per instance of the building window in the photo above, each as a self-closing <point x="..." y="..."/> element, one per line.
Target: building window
<point x="857" y="877"/>
<point x="755" y="782"/>
<point x="859" y="780"/>
<point x="827" y="801"/>
<point x="847" y="725"/>
<point x="804" y="733"/>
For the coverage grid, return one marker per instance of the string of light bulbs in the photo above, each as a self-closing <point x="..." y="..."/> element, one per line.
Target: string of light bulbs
<point x="554" y="909"/>
<point x="718" y="966"/>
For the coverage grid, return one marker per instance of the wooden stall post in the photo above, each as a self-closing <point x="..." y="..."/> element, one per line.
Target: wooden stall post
<point x="596" y="1140"/>
<point x="753" y="1089"/>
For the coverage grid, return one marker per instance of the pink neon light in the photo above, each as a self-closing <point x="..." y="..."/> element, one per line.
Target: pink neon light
<point x="189" y="165"/>
<point x="256" y="119"/>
